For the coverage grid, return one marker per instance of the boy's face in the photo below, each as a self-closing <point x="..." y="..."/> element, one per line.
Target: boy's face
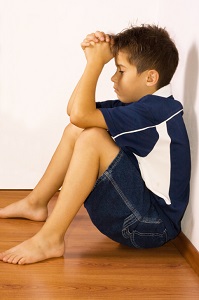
<point x="128" y="84"/>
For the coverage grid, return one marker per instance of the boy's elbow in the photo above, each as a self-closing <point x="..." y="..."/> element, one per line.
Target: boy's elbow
<point x="76" y="120"/>
<point x="68" y="111"/>
<point x="73" y="119"/>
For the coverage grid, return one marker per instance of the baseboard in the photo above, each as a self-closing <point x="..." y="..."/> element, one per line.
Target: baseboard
<point x="188" y="251"/>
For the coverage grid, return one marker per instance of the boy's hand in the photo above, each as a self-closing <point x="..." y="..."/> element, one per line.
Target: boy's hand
<point x="97" y="47"/>
<point x="96" y="37"/>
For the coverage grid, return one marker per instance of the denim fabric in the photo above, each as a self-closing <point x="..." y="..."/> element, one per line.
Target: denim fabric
<point x="120" y="206"/>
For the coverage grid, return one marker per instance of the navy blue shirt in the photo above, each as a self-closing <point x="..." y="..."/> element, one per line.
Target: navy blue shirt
<point x="152" y="129"/>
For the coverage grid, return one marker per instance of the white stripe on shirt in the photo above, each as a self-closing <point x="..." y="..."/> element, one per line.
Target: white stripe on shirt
<point x="137" y="130"/>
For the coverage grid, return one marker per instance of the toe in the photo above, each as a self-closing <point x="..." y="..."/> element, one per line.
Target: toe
<point x="8" y="258"/>
<point x="22" y="261"/>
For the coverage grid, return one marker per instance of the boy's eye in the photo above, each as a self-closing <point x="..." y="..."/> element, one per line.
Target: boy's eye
<point x="121" y="72"/>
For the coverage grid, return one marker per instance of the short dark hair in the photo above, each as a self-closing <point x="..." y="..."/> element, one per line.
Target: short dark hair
<point x="149" y="47"/>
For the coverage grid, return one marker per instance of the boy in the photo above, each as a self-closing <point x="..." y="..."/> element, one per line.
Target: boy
<point x="135" y="185"/>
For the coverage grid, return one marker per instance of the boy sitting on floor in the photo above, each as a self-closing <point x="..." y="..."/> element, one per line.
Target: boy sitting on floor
<point x="127" y="160"/>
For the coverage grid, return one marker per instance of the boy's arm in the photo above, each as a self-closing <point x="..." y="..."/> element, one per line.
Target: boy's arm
<point x="72" y="97"/>
<point x="82" y="108"/>
<point x="95" y="38"/>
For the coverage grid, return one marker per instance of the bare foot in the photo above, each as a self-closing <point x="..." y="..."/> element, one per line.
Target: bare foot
<point x="33" y="250"/>
<point x="25" y="208"/>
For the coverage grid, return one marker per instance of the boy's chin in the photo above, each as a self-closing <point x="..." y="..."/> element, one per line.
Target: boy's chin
<point x="126" y="101"/>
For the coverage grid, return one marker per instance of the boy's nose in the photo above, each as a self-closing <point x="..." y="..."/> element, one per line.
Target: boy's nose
<point x="113" y="78"/>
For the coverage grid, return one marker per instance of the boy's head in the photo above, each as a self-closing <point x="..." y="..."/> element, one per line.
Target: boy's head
<point x="148" y="47"/>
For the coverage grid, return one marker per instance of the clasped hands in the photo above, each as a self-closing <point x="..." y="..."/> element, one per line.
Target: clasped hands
<point x="97" y="47"/>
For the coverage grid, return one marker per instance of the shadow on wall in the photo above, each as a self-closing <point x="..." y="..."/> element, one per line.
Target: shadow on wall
<point x="190" y="117"/>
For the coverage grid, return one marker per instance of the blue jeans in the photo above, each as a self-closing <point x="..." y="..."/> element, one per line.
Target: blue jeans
<point x="121" y="207"/>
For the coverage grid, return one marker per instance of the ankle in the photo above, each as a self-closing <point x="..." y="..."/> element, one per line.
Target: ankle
<point x="34" y="200"/>
<point x="52" y="238"/>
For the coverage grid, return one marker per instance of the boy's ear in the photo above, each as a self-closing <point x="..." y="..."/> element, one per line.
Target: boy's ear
<point x="152" y="78"/>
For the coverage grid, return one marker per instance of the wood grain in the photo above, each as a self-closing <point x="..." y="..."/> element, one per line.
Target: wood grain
<point x="188" y="251"/>
<point x="93" y="267"/>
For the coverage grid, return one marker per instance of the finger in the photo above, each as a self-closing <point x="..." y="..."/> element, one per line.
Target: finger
<point x="102" y="36"/>
<point x="92" y="37"/>
<point x="84" y="45"/>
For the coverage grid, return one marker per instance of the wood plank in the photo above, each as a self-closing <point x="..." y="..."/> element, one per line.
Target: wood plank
<point x="188" y="251"/>
<point x="93" y="267"/>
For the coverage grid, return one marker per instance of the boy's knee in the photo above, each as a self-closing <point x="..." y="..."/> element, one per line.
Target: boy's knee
<point x="97" y="138"/>
<point x="94" y="137"/>
<point x="72" y="131"/>
<point x="94" y="134"/>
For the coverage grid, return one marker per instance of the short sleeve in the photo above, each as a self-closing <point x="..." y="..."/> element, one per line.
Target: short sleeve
<point x="109" y="104"/>
<point x="127" y="125"/>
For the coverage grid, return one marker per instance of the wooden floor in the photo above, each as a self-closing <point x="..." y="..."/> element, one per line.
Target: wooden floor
<point x="93" y="266"/>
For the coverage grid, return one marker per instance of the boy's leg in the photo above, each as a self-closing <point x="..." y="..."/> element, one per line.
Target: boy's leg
<point x="34" y="206"/>
<point x="93" y="153"/>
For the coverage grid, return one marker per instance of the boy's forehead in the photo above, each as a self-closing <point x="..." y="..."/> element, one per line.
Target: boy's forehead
<point x="121" y="58"/>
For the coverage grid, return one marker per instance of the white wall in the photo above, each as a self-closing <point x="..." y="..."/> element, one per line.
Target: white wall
<point x="181" y="19"/>
<point x="41" y="60"/>
<point x="40" y="63"/>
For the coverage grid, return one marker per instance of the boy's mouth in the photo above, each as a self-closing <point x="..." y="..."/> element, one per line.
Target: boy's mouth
<point x="115" y="90"/>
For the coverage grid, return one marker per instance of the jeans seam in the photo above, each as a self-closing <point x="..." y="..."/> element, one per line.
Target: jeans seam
<point x="128" y="204"/>
<point x="147" y="220"/>
<point x="109" y="169"/>
<point x="149" y="233"/>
